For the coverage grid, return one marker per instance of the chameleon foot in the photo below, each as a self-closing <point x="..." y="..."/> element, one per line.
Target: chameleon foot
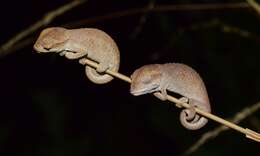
<point x="102" y="68"/>
<point x="160" y="96"/>
<point x="82" y="61"/>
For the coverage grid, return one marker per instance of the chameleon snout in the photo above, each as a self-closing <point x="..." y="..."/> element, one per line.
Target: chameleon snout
<point x="134" y="92"/>
<point x="139" y="91"/>
<point x="38" y="48"/>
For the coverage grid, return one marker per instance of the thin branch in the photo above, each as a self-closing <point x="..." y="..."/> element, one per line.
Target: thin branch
<point x="254" y="5"/>
<point x="235" y="30"/>
<point x="243" y="114"/>
<point x="19" y="45"/>
<point x="249" y="133"/>
<point x="49" y="17"/>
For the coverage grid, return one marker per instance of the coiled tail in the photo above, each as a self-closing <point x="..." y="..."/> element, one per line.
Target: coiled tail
<point x="192" y="121"/>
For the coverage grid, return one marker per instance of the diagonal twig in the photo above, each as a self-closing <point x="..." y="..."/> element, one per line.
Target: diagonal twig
<point x="161" y="8"/>
<point x="254" y="5"/>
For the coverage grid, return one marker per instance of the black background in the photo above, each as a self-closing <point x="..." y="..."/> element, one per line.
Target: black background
<point x="49" y="107"/>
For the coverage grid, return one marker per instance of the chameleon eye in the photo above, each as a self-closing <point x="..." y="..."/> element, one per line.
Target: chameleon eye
<point x="146" y="80"/>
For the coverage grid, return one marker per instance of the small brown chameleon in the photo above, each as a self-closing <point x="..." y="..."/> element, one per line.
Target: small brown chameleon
<point x="84" y="42"/>
<point x="177" y="78"/>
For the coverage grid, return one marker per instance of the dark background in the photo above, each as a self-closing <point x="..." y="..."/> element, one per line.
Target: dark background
<point x="49" y="107"/>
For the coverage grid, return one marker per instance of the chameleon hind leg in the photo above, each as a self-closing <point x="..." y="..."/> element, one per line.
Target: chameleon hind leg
<point x="190" y="112"/>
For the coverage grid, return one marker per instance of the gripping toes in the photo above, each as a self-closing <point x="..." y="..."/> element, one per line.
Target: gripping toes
<point x="102" y="68"/>
<point x="160" y="96"/>
<point x="190" y="113"/>
<point x="82" y="61"/>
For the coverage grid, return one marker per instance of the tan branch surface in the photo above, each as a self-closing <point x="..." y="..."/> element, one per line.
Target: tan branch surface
<point x="249" y="133"/>
<point x="241" y="115"/>
<point x="48" y="18"/>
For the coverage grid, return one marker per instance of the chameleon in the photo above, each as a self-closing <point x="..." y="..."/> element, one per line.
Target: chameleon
<point x="81" y="44"/>
<point x="178" y="78"/>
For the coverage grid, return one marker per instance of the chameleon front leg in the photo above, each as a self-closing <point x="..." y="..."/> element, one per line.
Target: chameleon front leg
<point x="62" y="53"/>
<point x="70" y="51"/>
<point x="71" y="54"/>
<point x="162" y="94"/>
<point x="190" y="112"/>
<point x="74" y="53"/>
<point x="67" y="50"/>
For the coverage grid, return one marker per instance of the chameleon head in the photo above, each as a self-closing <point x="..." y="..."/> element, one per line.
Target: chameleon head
<point x="145" y="80"/>
<point x="48" y="38"/>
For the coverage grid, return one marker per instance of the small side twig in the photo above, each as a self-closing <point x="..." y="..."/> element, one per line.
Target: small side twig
<point x="44" y="21"/>
<point x="160" y="8"/>
<point x="254" y="5"/>
<point x="241" y="115"/>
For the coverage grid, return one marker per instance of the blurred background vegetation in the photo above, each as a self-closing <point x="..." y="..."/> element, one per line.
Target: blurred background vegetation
<point x="49" y="107"/>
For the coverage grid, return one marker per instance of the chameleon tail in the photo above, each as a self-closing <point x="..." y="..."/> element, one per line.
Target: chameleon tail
<point x="192" y="121"/>
<point x="97" y="78"/>
<point x="194" y="124"/>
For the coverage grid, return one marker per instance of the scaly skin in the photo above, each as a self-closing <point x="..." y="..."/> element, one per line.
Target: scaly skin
<point x="177" y="78"/>
<point x="90" y="43"/>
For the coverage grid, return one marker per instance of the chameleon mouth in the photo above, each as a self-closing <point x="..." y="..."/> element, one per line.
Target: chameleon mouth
<point x="137" y="93"/>
<point x="47" y="49"/>
<point x="64" y="52"/>
<point x="143" y="91"/>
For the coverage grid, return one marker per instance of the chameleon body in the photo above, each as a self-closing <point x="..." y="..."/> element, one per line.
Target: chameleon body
<point x="177" y="78"/>
<point x="80" y="44"/>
